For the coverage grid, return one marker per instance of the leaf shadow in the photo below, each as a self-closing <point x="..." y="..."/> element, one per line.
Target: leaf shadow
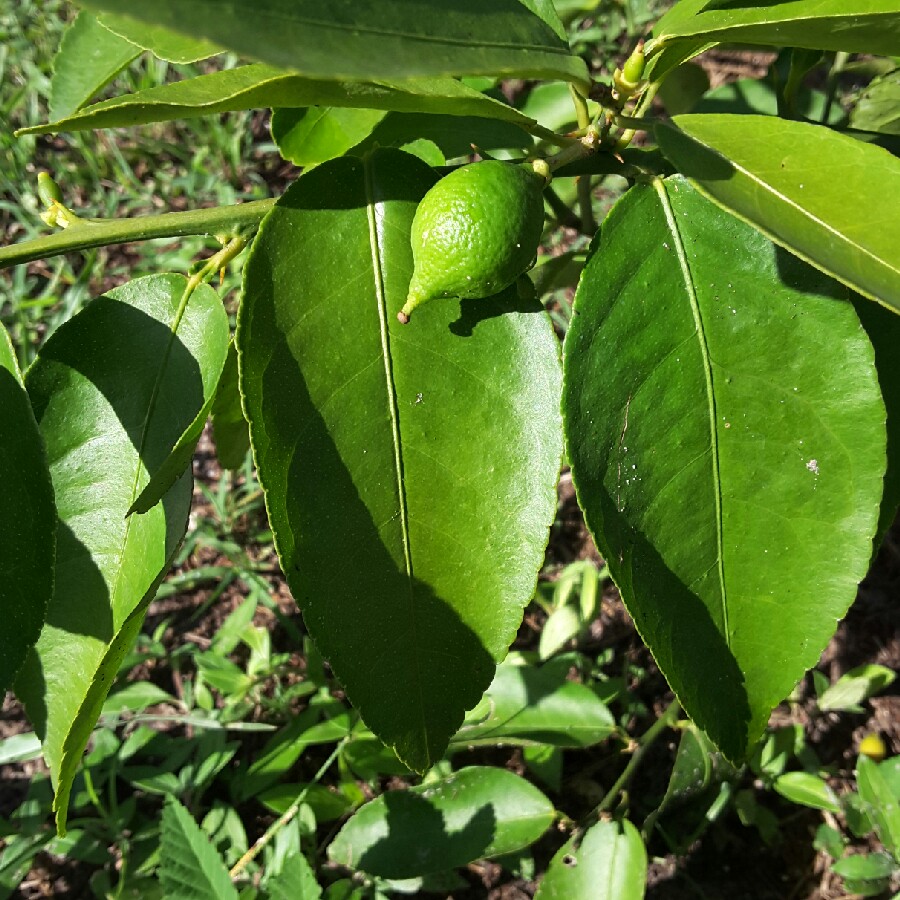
<point x="418" y="840"/>
<point x="473" y="312"/>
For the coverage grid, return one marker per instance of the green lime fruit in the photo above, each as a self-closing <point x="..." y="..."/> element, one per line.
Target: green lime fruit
<point x="476" y="231"/>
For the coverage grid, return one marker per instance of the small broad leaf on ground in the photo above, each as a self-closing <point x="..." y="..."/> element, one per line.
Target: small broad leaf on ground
<point x="607" y="862"/>
<point x="349" y="410"/>
<point x="856" y="26"/>
<point x="112" y="390"/>
<point x="854" y="686"/>
<point x="478" y="812"/>
<point x="832" y="200"/>
<point x="807" y="789"/>
<point x="249" y="87"/>
<point x="189" y="866"/>
<point x="88" y="58"/>
<point x="295" y="881"/>
<point x="717" y="467"/>
<point x="161" y="42"/>
<point x="27" y="521"/>
<point x="883" y="803"/>
<point x="527" y="705"/>
<point x="369" y="39"/>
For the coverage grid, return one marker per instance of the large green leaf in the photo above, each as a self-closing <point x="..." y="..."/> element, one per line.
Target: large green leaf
<point x="189" y="866"/>
<point x="881" y="803"/>
<point x="409" y="470"/>
<point x="857" y="26"/>
<point x="830" y="199"/>
<point x="729" y="469"/>
<point x="607" y="862"/>
<point x="27" y="521"/>
<point x="369" y="39"/>
<point x="247" y="87"/>
<point x="476" y="812"/>
<point x="89" y="57"/>
<point x="526" y="705"/>
<point x="161" y="42"/>
<point x="113" y="389"/>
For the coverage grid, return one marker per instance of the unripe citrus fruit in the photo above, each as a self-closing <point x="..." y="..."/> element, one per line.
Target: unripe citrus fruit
<point x="475" y="232"/>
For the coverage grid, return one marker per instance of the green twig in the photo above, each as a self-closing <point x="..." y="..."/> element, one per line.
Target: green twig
<point x="586" y="205"/>
<point x="642" y="106"/>
<point x="831" y="84"/>
<point x="666" y="720"/>
<point x="564" y="215"/>
<point x="582" y="113"/>
<point x="288" y="815"/>
<point x="221" y="220"/>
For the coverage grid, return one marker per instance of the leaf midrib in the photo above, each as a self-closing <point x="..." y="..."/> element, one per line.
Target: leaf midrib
<point x="375" y="240"/>
<point x="671" y="221"/>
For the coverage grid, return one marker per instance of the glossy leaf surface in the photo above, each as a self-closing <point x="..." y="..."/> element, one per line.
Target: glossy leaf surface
<point x="856" y="26"/>
<point x="89" y="57"/>
<point x="189" y="866"/>
<point x="112" y="390"/>
<point x="717" y="466"/>
<point x="363" y="433"/>
<point x="807" y="789"/>
<point x="832" y="200"/>
<point x="475" y="813"/>
<point x="526" y="705"/>
<point x="247" y="87"/>
<point x="609" y="863"/>
<point x="314" y="135"/>
<point x="361" y="39"/>
<point x="27" y="521"/>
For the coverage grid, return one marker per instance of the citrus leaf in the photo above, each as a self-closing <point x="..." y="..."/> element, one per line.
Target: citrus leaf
<point x="231" y="434"/>
<point x="718" y="467"/>
<point x="27" y="521"/>
<point x="475" y="813"/>
<point x="857" y="26"/>
<point x="161" y="42"/>
<point x="189" y="866"/>
<point x="608" y="863"/>
<point x="878" y="108"/>
<point x="883" y="327"/>
<point x="211" y="357"/>
<point x="368" y="39"/>
<point x="832" y="200"/>
<point x="112" y="389"/>
<point x="314" y="135"/>
<point x="526" y="705"/>
<point x="89" y="57"/>
<point x="883" y="803"/>
<point x="247" y="87"/>
<point x="351" y="411"/>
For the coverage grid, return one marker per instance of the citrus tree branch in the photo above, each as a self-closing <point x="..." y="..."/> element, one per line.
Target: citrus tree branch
<point x="83" y="235"/>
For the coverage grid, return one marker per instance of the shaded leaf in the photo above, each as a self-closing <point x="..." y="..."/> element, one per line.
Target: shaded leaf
<point x="609" y="862"/>
<point x="27" y="521"/>
<point x="830" y="199"/>
<point x="161" y="42"/>
<point x="477" y="812"/>
<point x="878" y="107"/>
<point x="351" y="411"/>
<point x="210" y="357"/>
<point x="854" y="686"/>
<point x="857" y="26"/>
<point x="189" y="866"/>
<point x="89" y="57"/>
<point x="112" y="389"/>
<point x="231" y="433"/>
<point x="717" y="467"/>
<point x="247" y="87"/>
<point x="368" y="39"/>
